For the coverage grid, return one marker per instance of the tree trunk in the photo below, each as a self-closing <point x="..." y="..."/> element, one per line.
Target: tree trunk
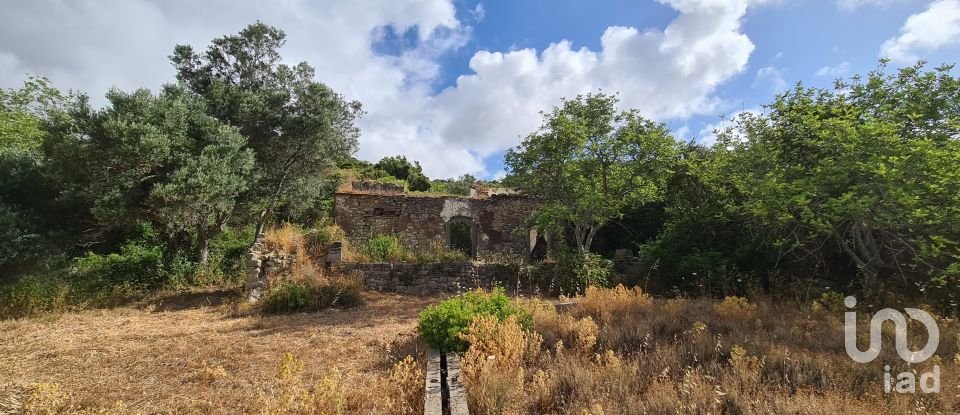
<point x="590" y="235"/>
<point x="578" y="236"/>
<point x="261" y="223"/>
<point x="203" y="247"/>
<point x="264" y="214"/>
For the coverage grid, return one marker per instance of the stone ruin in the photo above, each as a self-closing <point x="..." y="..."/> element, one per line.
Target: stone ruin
<point x="260" y="263"/>
<point x="489" y="224"/>
<point x="494" y="221"/>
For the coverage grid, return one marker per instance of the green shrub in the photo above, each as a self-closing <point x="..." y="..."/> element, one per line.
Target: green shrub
<point x="287" y="297"/>
<point x="227" y="251"/>
<point x="575" y="272"/>
<point x="441" y="325"/>
<point x="138" y="264"/>
<point x="21" y="241"/>
<point x="314" y="295"/>
<point x="383" y="248"/>
<point x="832" y="301"/>
<point x="387" y="248"/>
<point x="31" y="295"/>
<point x="326" y="235"/>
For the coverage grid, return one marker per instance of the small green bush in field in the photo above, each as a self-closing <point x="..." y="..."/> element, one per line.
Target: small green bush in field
<point x="313" y="295"/>
<point x="832" y="301"/>
<point x="441" y="325"/>
<point x="287" y="296"/>
<point x="576" y="272"/>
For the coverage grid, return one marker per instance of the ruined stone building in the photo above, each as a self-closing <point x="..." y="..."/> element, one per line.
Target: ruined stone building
<point x="488" y="222"/>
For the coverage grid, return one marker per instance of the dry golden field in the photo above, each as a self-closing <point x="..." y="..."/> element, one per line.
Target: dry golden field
<point x="203" y="353"/>
<point x="616" y="351"/>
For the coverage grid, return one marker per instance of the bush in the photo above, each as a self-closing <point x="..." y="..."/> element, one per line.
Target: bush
<point x="138" y="263"/>
<point x="442" y="325"/>
<point x="313" y="294"/>
<point x="21" y="241"/>
<point x="383" y="248"/>
<point x="576" y="272"/>
<point x="227" y="250"/>
<point x="737" y="309"/>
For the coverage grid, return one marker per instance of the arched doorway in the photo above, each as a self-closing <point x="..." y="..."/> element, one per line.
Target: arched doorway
<point x="460" y="235"/>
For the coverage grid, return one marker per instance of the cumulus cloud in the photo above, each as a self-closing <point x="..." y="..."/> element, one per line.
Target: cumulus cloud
<point x="771" y="76"/>
<point x="666" y="73"/>
<point x="708" y="134"/>
<point x="936" y="27"/>
<point x="837" y="71"/>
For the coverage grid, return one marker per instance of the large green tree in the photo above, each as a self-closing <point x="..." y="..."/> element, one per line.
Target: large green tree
<point x="28" y="213"/>
<point x="298" y="128"/>
<point x="412" y="173"/>
<point x="589" y="161"/>
<point x="158" y="159"/>
<point x="869" y="170"/>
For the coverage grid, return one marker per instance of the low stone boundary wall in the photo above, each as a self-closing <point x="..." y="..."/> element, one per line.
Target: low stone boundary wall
<point x="431" y="278"/>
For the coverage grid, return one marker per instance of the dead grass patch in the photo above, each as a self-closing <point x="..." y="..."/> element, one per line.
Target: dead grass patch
<point x="214" y="358"/>
<point x="620" y="352"/>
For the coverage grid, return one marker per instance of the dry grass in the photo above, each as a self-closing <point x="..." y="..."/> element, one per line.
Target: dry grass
<point x="206" y="353"/>
<point x="620" y="352"/>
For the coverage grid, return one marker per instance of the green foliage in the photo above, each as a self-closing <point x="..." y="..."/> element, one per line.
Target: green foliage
<point x="441" y="325"/>
<point x="576" y="272"/>
<point x="418" y="182"/>
<point x="313" y="295"/>
<point x="864" y="174"/>
<point x="287" y="297"/>
<point x="22" y="241"/>
<point x="52" y="289"/>
<point x="832" y="301"/>
<point x="22" y="112"/>
<point x="459" y="186"/>
<point x="383" y="248"/>
<point x="588" y="162"/>
<point x="388" y="248"/>
<point x="299" y="128"/>
<point x="139" y="263"/>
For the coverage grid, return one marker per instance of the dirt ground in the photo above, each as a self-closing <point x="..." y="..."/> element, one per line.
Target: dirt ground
<point x="200" y="352"/>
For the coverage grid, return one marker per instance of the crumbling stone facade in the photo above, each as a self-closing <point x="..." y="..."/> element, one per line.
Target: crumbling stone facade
<point x="449" y="277"/>
<point x="497" y="222"/>
<point x="261" y="263"/>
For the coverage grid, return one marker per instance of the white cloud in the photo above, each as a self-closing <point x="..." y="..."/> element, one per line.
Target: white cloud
<point x="708" y="134"/>
<point x="771" y="76"/>
<point x="665" y="74"/>
<point x="479" y="12"/>
<point x="936" y="27"/>
<point x="669" y="73"/>
<point x="850" y="5"/>
<point x="835" y="71"/>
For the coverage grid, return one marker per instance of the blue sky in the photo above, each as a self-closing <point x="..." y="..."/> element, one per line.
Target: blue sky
<point x="796" y="39"/>
<point x="454" y="83"/>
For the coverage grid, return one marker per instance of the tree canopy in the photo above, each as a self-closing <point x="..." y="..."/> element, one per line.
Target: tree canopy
<point x="298" y="128"/>
<point x="589" y="162"/>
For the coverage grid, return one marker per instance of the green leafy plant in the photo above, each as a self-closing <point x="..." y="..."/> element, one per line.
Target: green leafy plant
<point x="442" y="325"/>
<point x="314" y="294"/>
<point x="576" y="272"/>
<point x="383" y="248"/>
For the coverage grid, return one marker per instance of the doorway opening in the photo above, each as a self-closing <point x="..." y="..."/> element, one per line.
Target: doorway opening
<point x="460" y="235"/>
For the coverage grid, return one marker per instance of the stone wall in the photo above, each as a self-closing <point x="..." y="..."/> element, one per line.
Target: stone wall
<point x="430" y="278"/>
<point x="262" y="265"/>
<point x="498" y="221"/>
